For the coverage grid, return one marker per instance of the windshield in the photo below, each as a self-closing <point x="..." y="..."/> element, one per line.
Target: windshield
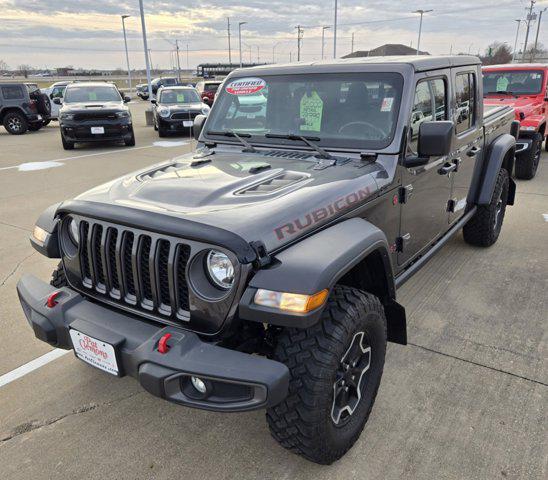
<point x="175" y="96"/>
<point x="512" y="81"/>
<point x="99" y="93"/>
<point x="349" y="110"/>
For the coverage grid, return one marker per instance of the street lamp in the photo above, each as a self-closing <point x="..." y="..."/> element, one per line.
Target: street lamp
<point x="516" y="41"/>
<point x="240" y="40"/>
<point x="323" y="38"/>
<point x="421" y="12"/>
<point x="127" y="54"/>
<point x="538" y="31"/>
<point x="145" y="46"/>
<point x="274" y="51"/>
<point x="335" y="31"/>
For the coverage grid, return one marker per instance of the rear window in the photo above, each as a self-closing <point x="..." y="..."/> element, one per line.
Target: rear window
<point x="211" y="87"/>
<point x="12" y="92"/>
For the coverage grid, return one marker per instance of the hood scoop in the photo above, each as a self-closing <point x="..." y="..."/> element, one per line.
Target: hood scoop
<point x="273" y="184"/>
<point x="159" y="172"/>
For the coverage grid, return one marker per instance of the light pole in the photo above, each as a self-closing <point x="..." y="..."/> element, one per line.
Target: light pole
<point x="335" y="31"/>
<point x="240" y="40"/>
<point x="538" y="30"/>
<point x="274" y="51"/>
<point x="324" y="28"/>
<point x="516" y="41"/>
<point x="229" y="49"/>
<point x="127" y="54"/>
<point x="145" y="46"/>
<point x="530" y="17"/>
<point x="421" y="12"/>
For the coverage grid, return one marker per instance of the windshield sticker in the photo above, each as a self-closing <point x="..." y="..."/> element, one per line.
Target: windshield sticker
<point x="311" y="112"/>
<point x="245" y="86"/>
<point x="180" y="98"/>
<point x="502" y="84"/>
<point x="387" y="104"/>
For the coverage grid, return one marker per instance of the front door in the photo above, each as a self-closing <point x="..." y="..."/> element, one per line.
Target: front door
<point x="468" y="143"/>
<point x="427" y="189"/>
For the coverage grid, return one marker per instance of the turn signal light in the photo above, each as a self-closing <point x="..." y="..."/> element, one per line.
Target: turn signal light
<point x="39" y="234"/>
<point x="290" y="302"/>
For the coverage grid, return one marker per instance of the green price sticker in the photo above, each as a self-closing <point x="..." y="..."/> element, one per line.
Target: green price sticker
<point x="180" y="98"/>
<point x="502" y="84"/>
<point x="311" y="112"/>
<point x="92" y="96"/>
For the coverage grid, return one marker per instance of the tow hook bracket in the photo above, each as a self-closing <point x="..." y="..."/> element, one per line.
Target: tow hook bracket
<point x="163" y="347"/>
<point x="52" y="299"/>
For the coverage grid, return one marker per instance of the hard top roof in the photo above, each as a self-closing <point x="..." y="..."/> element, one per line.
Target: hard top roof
<point x="420" y="63"/>
<point x="517" y="66"/>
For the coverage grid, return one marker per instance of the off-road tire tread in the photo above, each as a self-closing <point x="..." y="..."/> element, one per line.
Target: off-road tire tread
<point x="478" y="231"/>
<point x="58" y="278"/>
<point x="309" y="355"/>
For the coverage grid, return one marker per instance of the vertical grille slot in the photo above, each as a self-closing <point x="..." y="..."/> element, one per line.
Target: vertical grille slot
<point x="144" y="270"/>
<point x="97" y="264"/>
<point x="181" y="285"/>
<point x="127" y="270"/>
<point x="110" y="250"/>
<point x="162" y="274"/>
<point x="84" y="255"/>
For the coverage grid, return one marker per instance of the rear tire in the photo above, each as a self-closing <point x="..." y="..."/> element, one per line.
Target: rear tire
<point x="34" y="127"/>
<point x="66" y="144"/>
<point x="527" y="163"/>
<point x="58" y="278"/>
<point x="15" y="123"/>
<point x="483" y="229"/>
<point x="323" y="414"/>
<point x="546" y="144"/>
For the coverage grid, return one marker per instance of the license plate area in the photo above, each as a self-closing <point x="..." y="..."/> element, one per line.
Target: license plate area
<point x="188" y="123"/>
<point x="97" y="353"/>
<point x="98" y="130"/>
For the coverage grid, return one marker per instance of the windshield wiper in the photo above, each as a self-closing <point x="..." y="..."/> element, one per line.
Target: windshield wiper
<point x="502" y="92"/>
<point x="307" y="140"/>
<point x="238" y="136"/>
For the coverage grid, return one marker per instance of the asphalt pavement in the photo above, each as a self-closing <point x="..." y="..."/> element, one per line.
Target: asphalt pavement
<point x="466" y="399"/>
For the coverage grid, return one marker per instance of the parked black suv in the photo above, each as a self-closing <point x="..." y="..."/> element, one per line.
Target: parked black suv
<point x="94" y="112"/>
<point x="176" y="108"/>
<point x="261" y="270"/>
<point x="23" y="107"/>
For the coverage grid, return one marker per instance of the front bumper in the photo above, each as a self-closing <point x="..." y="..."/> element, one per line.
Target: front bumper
<point x="81" y="131"/>
<point x="175" y="125"/>
<point x="238" y="381"/>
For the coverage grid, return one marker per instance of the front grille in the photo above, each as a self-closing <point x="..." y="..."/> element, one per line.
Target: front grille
<point x="95" y="116"/>
<point x="136" y="269"/>
<point x="184" y="115"/>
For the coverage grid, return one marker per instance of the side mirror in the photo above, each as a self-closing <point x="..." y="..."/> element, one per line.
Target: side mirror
<point x="51" y="96"/>
<point x="127" y="99"/>
<point x="434" y="141"/>
<point x="153" y="101"/>
<point x="57" y="101"/>
<point x="198" y="126"/>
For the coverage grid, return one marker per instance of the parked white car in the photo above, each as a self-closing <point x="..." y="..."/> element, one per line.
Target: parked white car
<point x="56" y="90"/>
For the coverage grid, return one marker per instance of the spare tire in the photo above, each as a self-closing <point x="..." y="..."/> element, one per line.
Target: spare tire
<point x="44" y="105"/>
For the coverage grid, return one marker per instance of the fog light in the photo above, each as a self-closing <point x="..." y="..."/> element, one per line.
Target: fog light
<point x="199" y="384"/>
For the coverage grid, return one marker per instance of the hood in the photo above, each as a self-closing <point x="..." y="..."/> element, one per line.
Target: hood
<point x="183" y="106"/>
<point x="528" y="104"/>
<point x="273" y="197"/>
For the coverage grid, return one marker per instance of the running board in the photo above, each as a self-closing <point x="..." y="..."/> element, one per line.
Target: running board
<point x="415" y="267"/>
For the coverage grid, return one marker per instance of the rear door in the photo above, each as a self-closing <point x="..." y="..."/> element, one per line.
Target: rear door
<point x="468" y="141"/>
<point x="427" y="191"/>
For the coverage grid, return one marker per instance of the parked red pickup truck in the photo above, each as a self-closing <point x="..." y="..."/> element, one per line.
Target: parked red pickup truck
<point x="524" y="87"/>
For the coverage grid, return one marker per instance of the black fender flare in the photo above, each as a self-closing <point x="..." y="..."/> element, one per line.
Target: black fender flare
<point x="318" y="262"/>
<point x="492" y="163"/>
<point x="48" y="221"/>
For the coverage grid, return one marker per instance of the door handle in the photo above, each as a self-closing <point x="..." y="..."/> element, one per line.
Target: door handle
<point x="448" y="168"/>
<point x="473" y="151"/>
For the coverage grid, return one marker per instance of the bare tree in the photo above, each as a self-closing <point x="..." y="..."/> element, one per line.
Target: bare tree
<point x="497" y="53"/>
<point x="24" y="70"/>
<point x="3" y="66"/>
<point x="540" y="51"/>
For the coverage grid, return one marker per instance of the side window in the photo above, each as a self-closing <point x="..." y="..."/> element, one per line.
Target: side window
<point x="429" y="105"/>
<point x="58" y="92"/>
<point x="12" y="93"/>
<point x="465" y="93"/>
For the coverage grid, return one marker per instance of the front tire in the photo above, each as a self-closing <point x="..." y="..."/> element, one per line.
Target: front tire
<point x="335" y="371"/>
<point x="66" y="144"/>
<point x="130" y="142"/>
<point x="58" y="278"/>
<point x="15" y="123"/>
<point x="161" y="132"/>
<point x="527" y="163"/>
<point x="483" y="229"/>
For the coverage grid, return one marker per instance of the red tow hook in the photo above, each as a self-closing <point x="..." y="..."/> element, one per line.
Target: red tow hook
<point x="163" y="347"/>
<point x="51" y="301"/>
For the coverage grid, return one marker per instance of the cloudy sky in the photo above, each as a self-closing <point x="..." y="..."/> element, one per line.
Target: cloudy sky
<point x="86" y="33"/>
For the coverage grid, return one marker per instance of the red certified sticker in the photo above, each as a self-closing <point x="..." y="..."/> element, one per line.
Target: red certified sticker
<point x="245" y="86"/>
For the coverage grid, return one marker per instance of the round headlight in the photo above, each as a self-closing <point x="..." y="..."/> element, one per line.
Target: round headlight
<point x="73" y="231"/>
<point x="220" y="269"/>
<point x="163" y="112"/>
<point x="205" y="110"/>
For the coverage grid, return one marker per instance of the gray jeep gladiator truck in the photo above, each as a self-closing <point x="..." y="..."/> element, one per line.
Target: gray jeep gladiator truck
<point x="260" y="271"/>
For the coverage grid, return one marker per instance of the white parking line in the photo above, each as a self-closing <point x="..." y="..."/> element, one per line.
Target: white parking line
<point x="31" y="366"/>
<point x="21" y="166"/>
<point x="545" y="216"/>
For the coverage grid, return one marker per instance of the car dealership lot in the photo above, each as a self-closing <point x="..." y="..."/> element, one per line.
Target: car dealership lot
<point x="466" y="399"/>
